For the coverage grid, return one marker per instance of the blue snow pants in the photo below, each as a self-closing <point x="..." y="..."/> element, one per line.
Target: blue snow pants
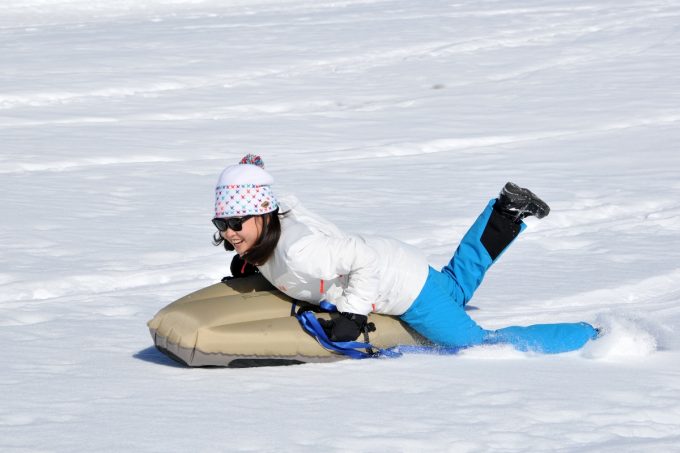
<point x="438" y="313"/>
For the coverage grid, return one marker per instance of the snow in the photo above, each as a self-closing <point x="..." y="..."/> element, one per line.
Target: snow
<point x="393" y="117"/>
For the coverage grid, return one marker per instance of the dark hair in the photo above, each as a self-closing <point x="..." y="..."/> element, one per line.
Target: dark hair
<point x="266" y="243"/>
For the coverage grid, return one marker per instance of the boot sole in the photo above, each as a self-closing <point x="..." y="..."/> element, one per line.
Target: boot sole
<point x="519" y="195"/>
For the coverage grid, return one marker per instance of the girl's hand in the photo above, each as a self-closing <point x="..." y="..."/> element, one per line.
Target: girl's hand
<point x="346" y="327"/>
<point x="240" y="268"/>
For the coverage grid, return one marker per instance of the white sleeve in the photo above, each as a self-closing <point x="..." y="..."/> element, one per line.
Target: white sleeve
<point x="326" y="257"/>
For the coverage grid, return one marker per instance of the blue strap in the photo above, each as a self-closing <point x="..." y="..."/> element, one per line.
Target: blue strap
<point x="430" y="349"/>
<point x="327" y="306"/>
<point x="311" y="325"/>
<point x="349" y="348"/>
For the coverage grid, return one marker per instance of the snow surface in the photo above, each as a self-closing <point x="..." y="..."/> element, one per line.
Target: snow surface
<point x="395" y="117"/>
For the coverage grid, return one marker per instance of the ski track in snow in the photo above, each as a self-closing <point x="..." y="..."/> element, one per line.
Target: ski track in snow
<point x="402" y="118"/>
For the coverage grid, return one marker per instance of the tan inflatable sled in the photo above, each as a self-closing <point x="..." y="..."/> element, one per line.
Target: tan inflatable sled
<point x="247" y="322"/>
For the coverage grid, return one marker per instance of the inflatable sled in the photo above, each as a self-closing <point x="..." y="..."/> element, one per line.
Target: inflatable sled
<point x="247" y="322"/>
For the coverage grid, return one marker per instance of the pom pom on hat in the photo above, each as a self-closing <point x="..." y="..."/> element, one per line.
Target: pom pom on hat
<point x="252" y="159"/>
<point x="245" y="189"/>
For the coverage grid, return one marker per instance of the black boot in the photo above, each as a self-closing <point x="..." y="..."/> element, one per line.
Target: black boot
<point x="516" y="203"/>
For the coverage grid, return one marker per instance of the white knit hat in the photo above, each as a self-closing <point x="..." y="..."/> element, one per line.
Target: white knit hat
<point x="245" y="189"/>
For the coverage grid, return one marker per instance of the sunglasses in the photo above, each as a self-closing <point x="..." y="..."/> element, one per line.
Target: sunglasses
<point x="235" y="223"/>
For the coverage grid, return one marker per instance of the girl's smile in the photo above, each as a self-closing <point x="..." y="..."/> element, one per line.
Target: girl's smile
<point x="245" y="239"/>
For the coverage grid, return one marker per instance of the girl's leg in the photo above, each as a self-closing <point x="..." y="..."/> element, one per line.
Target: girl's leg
<point x="484" y="242"/>
<point x="545" y="338"/>
<point x="438" y="312"/>
<point x="438" y="317"/>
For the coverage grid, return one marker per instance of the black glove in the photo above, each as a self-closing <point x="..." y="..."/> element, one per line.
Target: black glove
<point x="346" y="327"/>
<point x="240" y="268"/>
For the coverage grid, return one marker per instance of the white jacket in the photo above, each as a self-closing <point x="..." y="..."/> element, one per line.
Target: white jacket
<point x="315" y="261"/>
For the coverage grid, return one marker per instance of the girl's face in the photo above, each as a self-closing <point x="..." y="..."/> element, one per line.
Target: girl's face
<point x="245" y="239"/>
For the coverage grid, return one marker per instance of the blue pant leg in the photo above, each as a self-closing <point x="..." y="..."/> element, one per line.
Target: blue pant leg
<point x="438" y="312"/>
<point x="471" y="259"/>
<point x="545" y="338"/>
<point x="437" y="316"/>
